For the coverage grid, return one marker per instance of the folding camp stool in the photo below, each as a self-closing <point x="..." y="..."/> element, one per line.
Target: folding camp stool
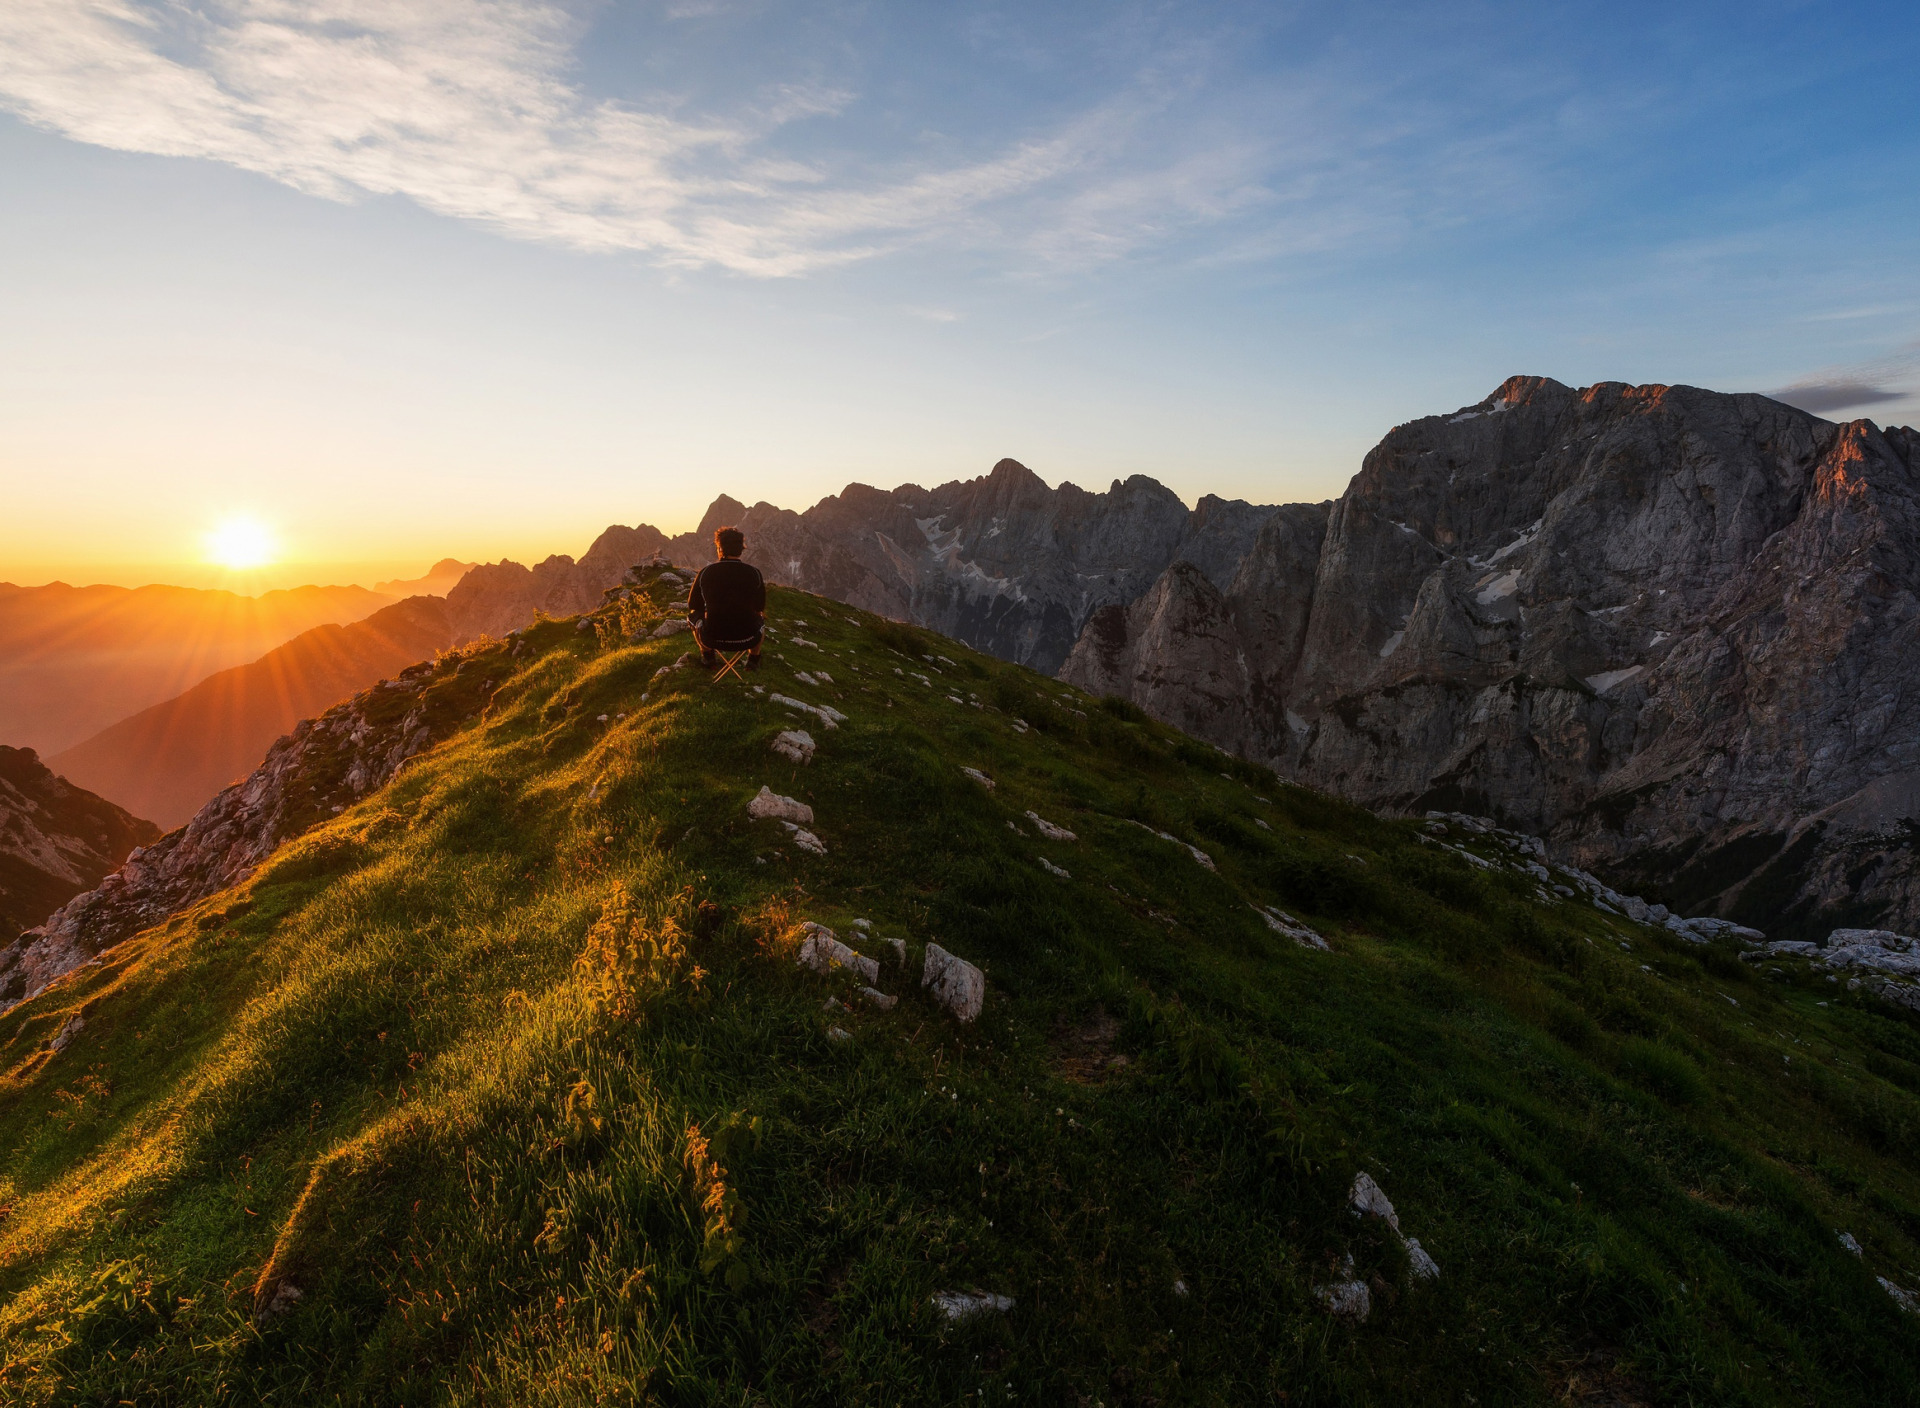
<point x="731" y="653"/>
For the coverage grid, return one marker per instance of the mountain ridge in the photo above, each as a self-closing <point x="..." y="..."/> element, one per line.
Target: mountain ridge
<point x="1559" y="607"/>
<point x="903" y="1025"/>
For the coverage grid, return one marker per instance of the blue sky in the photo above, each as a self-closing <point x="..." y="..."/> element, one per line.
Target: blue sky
<point x="408" y="278"/>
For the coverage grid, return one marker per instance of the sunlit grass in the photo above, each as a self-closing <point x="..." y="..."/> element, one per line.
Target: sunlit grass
<point x="509" y="1073"/>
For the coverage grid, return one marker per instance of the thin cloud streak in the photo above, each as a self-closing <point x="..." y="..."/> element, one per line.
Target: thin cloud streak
<point x="465" y="107"/>
<point x="1819" y="397"/>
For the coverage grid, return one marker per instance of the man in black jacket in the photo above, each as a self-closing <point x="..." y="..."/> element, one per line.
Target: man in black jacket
<point x="728" y="604"/>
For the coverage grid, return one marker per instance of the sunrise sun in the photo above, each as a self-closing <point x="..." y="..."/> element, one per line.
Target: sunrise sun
<point x="240" y="542"/>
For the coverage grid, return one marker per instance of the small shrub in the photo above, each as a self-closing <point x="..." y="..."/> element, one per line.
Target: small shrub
<point x="1571" y="1025"/>
<point x="1660" y="1070"/>
<point x="897" y="637"/>
<point x="1212" y="1069"/>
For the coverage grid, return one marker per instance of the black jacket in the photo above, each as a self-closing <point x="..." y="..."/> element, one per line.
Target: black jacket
<point x="727" y="599"/>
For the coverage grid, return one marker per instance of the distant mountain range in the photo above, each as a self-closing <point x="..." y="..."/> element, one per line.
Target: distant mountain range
<point x="167" y="760"/>
<point x="1668" y="629"/>
<point x="75" y="659"/>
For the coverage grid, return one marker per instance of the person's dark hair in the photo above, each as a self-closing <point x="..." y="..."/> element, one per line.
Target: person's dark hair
<point x="730" y="541"/>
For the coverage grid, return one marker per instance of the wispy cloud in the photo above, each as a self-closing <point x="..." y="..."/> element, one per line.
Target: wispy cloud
<point x="1819" y="397"/>
<point x="464" y="106"/>
<point x="474" y="109"/>
<point x="1882" y="380"/>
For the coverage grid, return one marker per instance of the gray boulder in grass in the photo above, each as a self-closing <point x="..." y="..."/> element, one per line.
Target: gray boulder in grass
<point x="954" y="983"/>
<point x="823" y="953"/>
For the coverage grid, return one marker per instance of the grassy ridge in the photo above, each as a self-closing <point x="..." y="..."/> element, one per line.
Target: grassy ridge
<point x="504" y="1087"/>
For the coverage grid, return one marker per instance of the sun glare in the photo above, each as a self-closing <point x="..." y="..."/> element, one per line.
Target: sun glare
<point x="241" y="542"/>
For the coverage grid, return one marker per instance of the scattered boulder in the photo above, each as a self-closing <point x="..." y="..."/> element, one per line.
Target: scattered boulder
<point x="1902" y="1297"/>
<point x="796" y="745"/>
<point x="823" y="953"/>
<point x="1425" y="1268"/>
<point x="806" y="840"/>
<point x="1049" y="830"/>
<point x="1871" y="938"/>
<point x="979" y="777"/>
<point x="1848" y="1244"/>
<point x="954" y="983"/>
<point x="69" y="1029"/>
<point x="1368" y="1199"/>
<point x="899" y="947"/>
<point x="884" y="1001"/>
<point x="828" y="715"/>
<point x="1281" y="922"/>
<point x="964" y="1305"/>
<point x="285" y="1296"/>
<point x="1053" y="869"/>
<point x="1194" y="851"/>
<point x="839" y="1034"/>
<point x="768" y="803"/>
<point x="671" y="627"/>
<point x="1348" y="1299"/>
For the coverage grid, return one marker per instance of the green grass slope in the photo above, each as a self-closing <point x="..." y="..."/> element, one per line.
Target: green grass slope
<point x="505" y="1087"/>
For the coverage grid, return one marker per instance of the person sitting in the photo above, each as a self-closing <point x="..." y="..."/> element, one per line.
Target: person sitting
<point x="728" y="603"/>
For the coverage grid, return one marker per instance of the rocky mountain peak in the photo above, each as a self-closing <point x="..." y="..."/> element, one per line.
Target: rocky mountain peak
<point x="1649" y="622"/>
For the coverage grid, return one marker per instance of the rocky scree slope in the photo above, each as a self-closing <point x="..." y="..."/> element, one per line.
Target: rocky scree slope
<point x="1071" y="1060"/>
<point x="56" y="840"/>
<point x="323" y="766"/>
<point x="1672" y="631"/>
<point x="166" y="762"/>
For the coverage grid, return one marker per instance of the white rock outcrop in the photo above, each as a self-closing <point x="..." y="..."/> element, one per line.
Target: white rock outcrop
<point x="829" y="716"/>
<point x="1368" y="1199"/>
<point x="1281" y="922"/>
<point x="954" y="983"/>
<point x="964" y="1305"/>
<point x="1349" y="1298"/>
<point x="795" y="745"/>
<point x="768" y="803"/>
<point x="1049" y="830"/>
<point x="823" y="952"/>
<point x="979" y="777"/>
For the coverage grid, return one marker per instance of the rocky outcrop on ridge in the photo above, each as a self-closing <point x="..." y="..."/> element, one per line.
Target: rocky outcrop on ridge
<point x="323" y="766"/>
<point x="1675" y="632"/>
<point x="498" y="598"/>
<point x="1004" y="563"/>
<point x="1001" y="562"/>
<point x="55" y="840"/>
<point x="168" y="761"/>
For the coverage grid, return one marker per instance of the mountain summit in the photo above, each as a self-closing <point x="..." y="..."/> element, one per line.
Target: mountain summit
<point x="1673" y="631"/>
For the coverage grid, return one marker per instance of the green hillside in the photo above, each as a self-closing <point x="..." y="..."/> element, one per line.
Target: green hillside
<point x="505" y="1086"/>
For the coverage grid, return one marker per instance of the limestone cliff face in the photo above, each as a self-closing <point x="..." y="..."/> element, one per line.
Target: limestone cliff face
<point x="1675" y="632"/>
<point x="324" y="765"/>
<point x="500" y="597"/>
<point x="1002" y="562"/>
<point x="56" y="839"/>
